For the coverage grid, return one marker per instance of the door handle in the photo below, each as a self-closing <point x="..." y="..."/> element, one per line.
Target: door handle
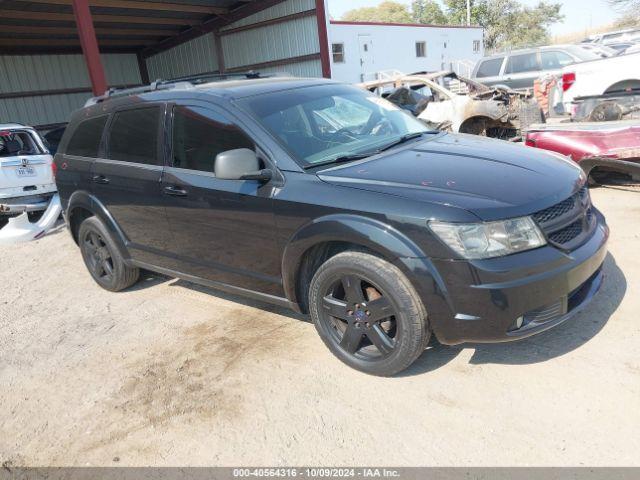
<point x="101" y="179"/>
<point x="175" y="191"/>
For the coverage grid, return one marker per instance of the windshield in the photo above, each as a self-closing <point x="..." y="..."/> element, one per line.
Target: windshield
<point x="330" y="122"/>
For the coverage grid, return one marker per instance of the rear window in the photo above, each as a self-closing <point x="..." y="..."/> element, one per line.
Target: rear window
<point x="133" y="136"/>
<point x="489" y="68"/>
<point x="17" y="143"/>
<point x="527" y="62"/>
<point x="85" y="141"/>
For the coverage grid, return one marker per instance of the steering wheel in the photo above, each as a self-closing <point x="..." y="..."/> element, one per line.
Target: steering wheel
<point x="347" y="132"/>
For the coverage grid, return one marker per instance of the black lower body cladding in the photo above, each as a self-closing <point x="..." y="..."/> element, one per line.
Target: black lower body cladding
<point x="512" y="297"/>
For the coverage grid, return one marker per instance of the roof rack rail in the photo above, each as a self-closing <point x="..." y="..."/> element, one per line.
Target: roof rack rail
<point x="179" y="82"/>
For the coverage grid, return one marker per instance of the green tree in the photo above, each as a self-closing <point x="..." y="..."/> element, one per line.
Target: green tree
<point x="387" y="12"/>
<point x="507" y="23"/>
<point x="428" y="12"/>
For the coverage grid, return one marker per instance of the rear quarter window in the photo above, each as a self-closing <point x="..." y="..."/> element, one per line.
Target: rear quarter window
<point x="489" y="68"/>
<point x="85" y="140"/>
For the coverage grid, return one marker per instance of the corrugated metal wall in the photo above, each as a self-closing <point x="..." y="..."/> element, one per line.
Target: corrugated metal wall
<point x="38" y="73"/>
<point x="195" y="56"/>
<point x="297" y="37"/>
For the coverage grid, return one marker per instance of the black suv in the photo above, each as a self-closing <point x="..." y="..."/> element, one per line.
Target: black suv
<point x="324" y="198"/>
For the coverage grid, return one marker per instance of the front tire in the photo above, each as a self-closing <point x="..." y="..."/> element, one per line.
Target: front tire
<point x="102" y="257"/>
<point x="368" y="313"/>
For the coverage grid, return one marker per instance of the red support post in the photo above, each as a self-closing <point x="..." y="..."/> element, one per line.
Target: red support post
<point x="89" y="44"/>
<point x="323" y="37"/>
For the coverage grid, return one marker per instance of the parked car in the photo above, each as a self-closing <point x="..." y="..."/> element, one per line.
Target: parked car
<point x="520" y="68"/>
<point x="26" y="173"/>
<point x="598" y="49"/>
<point x="447" y="101"/>
<point x="603" y="76"/>
<point x="617" y="36"/>
<point x="385" y="232"/>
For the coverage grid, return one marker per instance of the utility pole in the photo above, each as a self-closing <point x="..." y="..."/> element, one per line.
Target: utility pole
<point x="468" y="13"/>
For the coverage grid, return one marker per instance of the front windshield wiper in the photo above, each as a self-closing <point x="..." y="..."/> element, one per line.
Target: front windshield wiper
<point x="401" y="140"/>
<point x="359" y="156"/>
<point x="342" y="159"/>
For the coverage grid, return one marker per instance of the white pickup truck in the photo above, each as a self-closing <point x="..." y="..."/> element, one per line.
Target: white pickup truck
<point x="597" y="77"/>
<point x="28" y="199"/>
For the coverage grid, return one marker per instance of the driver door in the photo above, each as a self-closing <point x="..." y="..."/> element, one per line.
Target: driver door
<point x="224" y="230"/>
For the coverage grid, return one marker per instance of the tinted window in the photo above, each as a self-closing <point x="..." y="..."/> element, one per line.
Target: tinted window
<point x="85" y="141"/>
<point x="199" y="135"/>
<point x="490" y="68"/>
<point x="554" y="60"/>
<point x="133" y="136"/>
<point x="527" y="62"/>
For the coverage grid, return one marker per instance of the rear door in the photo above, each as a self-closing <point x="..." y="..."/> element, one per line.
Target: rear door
<point x="522" y="70"/>
<point x="127" y="180"/>
<point x="224" y="230"/>
<point x="25" y="166"/>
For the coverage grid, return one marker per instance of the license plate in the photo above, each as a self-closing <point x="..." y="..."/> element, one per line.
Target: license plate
<point x="26" y="172"/>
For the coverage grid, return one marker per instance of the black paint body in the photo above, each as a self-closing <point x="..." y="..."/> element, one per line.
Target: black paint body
<point x="251" y="238"/>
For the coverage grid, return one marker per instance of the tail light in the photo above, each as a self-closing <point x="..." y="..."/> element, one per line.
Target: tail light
<point x="568" y="79"/>
<point x="54" y="169"/>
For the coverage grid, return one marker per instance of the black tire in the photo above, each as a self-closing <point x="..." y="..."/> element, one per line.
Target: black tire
<point x="102" y="257"/>
<point x="383" y="332"/>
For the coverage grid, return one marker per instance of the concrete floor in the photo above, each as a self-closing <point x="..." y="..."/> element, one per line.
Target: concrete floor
<point x="168" y="373"/>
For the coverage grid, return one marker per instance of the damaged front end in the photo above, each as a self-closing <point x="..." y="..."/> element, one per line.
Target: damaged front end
<point x="447" y="101"/>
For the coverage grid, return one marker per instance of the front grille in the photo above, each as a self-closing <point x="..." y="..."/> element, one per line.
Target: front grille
<point x="567" y="224"/>
<point x="556" y="211"/>
<point x="567" y="234"/>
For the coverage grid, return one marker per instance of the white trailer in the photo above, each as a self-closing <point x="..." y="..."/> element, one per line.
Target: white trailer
<point x="361" y="50"/>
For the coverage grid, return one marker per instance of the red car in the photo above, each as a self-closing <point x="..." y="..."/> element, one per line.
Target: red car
<point x="604" y="145"/>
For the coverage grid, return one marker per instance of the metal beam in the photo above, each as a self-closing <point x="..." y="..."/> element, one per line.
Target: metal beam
<point x="97" y="18"/>
<point x="44" y="43"/>
<point x="323" y="38"/>
<point x="126" y="32"/>
<point x="89" y="45"/>
<point x="142" y="5"/>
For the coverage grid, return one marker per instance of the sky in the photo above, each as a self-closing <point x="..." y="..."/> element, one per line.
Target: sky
<point x="579" y="14"/>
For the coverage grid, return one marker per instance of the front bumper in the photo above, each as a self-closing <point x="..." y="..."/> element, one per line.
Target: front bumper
<point x="512" y="297"/>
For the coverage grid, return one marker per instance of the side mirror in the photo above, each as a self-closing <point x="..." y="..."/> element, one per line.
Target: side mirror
<point x="240" y="164"/>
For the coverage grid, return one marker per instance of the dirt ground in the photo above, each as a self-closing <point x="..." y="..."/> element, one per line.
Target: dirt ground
<point x="169" y="373"/>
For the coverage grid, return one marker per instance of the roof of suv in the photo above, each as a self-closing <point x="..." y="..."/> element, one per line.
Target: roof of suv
<point x="232" y="89"/>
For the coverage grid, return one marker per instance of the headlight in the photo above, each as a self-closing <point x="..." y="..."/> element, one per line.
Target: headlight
<point x="492" y="239"/>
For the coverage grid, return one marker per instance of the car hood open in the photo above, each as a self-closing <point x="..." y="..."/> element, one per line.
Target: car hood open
<point x="491" y="178"/>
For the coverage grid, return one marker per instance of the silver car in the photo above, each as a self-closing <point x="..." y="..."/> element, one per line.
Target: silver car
<point x="518" y="69"/>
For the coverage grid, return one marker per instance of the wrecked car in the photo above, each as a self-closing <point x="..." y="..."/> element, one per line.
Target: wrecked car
<point x="600" y="148"/>
<point x="450" y="102"/>
<point x="28" y="199"/>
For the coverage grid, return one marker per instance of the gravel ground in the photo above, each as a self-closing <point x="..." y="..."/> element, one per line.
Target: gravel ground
<point x="169" y="373"/>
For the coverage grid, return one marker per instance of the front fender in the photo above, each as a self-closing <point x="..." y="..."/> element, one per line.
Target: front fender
<point x="83" y="200"/>
<point x="366" y="232"/>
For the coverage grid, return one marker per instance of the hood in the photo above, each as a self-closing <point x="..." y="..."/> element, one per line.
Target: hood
<point x="491" y="178"/>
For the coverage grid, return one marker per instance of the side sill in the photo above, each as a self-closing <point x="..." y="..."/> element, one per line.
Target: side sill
<point x="272" y="299"/>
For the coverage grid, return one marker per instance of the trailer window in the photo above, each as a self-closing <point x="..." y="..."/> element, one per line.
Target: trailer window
<point x="421" y="49"/>
<point x="338" y="52"/>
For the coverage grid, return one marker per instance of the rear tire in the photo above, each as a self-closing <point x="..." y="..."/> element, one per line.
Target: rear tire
<point x="102" y="257"/>
<point x="368" y="314"/>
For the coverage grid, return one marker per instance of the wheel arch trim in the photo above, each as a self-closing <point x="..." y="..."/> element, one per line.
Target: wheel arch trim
<point x="346" y="228"/>
<point x="87" y="201"/>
